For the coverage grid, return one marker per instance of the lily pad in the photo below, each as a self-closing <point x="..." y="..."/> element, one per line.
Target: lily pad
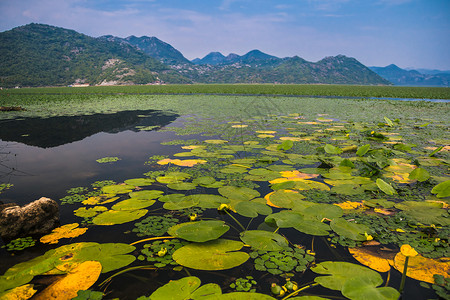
<point x="286" y="198"/>
<point x="252" y="209"/>
<point x="113" y="217"/>
<point x="238" y="193"/>
<point x="199" y="232"/>
<point x="330" y="149"/>
<point x="218" y="254"/>
<point x="341" y="272"/>
<point x="146" y="195"/>
<point x="442" y="190"/>
<point x="132" y="204"/>
<point x="186" y="288"/>
<point x="264" y="240"/>
<point x="420" y="174"/>
<point x="207" y="200"/>
<point x="385" y="187"/>
<point x="118" y="189"/>
<point x="349" y="230"/>
<point x="182" y="203"/>
<point x="65" y="231"/>
<point x="363" y="287"/>
<point x="139" y="181"/>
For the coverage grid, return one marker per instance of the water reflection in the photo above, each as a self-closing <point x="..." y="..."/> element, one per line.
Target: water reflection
<point x="57" y="131"/>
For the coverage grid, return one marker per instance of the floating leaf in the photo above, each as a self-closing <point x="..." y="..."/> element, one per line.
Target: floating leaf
<point x="422" y="268"/>
<point x="363" y="150"/>
<point x="372" y="259"/>
<point x="218" y="254"/>
<point x="182" y="203"/>
<point x="132" y="204"/>
<point x="285" y="145"/>
<point x="436" y="151"/>
<point x="146" y="195"/>
<point x="65" y="231"/>
<point x="366" y="288"/>
<point x="139" y="181"/>
<point x="420" y="174"/>
<point x="238" y="193"/>
<point x="251" y="209"/>
<point x="118" y="189"/>
<point x="186" y="288"/>
<point x="389" y="122"/>
<point x="244" y="296"/>
<point x="341" y="272"/>
<point x="349" y="230"/>
<point x="181" y="163"/>
<point x="442" y="190"/>
<point x="285" y="198"/>
<point x="385" y="187"/>
<point x="425" y="212"/>
<point x="330" y="149"/>
<point x="19" y="293"/>
<point x="80" y="278"/>
<point x="217" y="142"/>
<point x="113" y="217"/>
<point x="199" y="232"/>
<point x="264" y="240"/>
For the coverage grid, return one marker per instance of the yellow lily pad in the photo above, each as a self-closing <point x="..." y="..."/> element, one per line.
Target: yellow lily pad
<point x="422" y="268"/>
<point x="181" y="163"/>
<point x="19" y="293"/>
<point x="380" y="262"/>
<point x="65" y="231"/>
<point x="80" y="278"/>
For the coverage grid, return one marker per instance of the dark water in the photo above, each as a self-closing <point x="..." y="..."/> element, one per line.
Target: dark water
<point x="46" y="157"/>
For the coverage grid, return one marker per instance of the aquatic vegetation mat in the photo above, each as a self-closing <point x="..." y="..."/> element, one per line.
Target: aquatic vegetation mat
<point x="260" y="206"/>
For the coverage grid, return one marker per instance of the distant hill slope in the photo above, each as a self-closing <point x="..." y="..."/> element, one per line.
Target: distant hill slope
<point x="154" y="47"/>
<point x="43" y="55"/>
<point x="258" y="67"/>
<point x="400" y="76"/>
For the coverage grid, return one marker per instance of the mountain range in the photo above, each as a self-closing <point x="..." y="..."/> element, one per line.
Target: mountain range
<point x="405" y="77"/>
<point x="44" y="55"/>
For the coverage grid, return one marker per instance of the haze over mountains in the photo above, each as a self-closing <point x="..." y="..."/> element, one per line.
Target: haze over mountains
<point x="44" y="55"/>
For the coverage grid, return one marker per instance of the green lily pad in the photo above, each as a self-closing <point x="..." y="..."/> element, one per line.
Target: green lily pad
<point x="363" y="287"/>
<point x="425" y="212"/>
<point x="320" y="211"/>
<point x="285" y="218"/>
<point x="285" y="145"/>
<point x="113" y="217"/>
<point x="218" y="254"/>
<point x="285" y="199"/>
<point x="186" y="288"/>
<point x="182" y="186"/>
<point x="207" y="200"/>
<point x="84" y="212"/>
<point x="313" y="227"/>
<point x="199" y="232"/>
<point x="347" y="189"/>
<point x="264" y="240"/>
<point x="146" y="195"/>
<point x="171" y="198"/>
<point x="385" y="187"/>
<point x="118" y="189"/>
<point x="420" y="174"/>
<point x="330" y="149"/>
<point x="349" y="230"/>
<point x="341" y="272"/>
<point x="132" y="204"/>
<point x="183" y="203"/>
<point x="442" y="190"/>
<point x="139" y="181"/>
<point x="252" y="209"/>
<point x="204" y="180"/>
<point x="238" y="193"/>
<point x="363" y="150"/>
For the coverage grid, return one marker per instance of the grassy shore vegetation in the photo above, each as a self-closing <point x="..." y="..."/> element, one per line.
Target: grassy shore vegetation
<point x="264" y="179"/>
<point x="264" y="89"/>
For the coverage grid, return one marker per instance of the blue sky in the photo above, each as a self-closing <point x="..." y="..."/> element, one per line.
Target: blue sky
<point x="408" y="33"/>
